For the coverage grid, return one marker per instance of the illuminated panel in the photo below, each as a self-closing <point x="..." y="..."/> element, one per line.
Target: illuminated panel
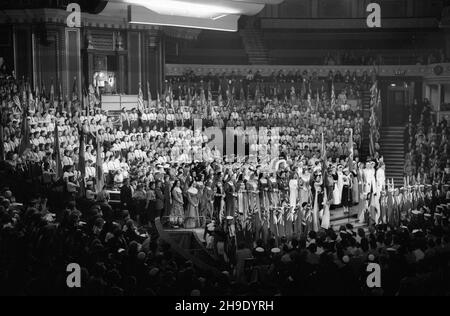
<point x="140" y="15"/>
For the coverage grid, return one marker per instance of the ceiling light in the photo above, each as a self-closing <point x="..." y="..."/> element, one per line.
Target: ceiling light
<point x="139" y="15"/>
<point x="186" y="9"/>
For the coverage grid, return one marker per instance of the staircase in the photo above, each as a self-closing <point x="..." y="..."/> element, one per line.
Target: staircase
<point x="255" y="47"/>
<point x="187" y="245"/>
<point x="393" y="150"/>
<point x="338" y="218"/>
<point x="365" y="149"/>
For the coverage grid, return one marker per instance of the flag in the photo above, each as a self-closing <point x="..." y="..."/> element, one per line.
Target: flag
<point x="170" y="96"/>
<point x="202" y="97"/>
<point x="2" y="145"/>
<point x="25" y="132"/>
<point x="24" y="94"/>
<point x="91" y="97"/>
<point x="326" y="217"/>
<point x="140" y="99"/>
<point x="333" y="97"/>
<point x="31" y="102"/>
<point x="37" y="93"/>
<point x="74" y="89"/>
<point x="17" y="102"/>
<point x="210" y="97"/>
<point x="43" y="94"/>
<point x="98" y="95"/>
<point x="220" y="99"/>
<point x="378" y="105"/>
<point x="242" y="94"/>
<point x="317" y="99"/>
<point x="149" y="95"/>
<point x="257" y="93"/>
<point x="52" y="94"/>
<point x="351" y="150"/>
<point x="99" y="168"/>
<point x="82" y="162"/>
<point x="188" y="98"/>
<point x="85" y="104"/>
<point x="56" y="149"/>
<point x="60" y="98"/>
<point x="323" y="148"/>
<point x="303" y="89"/>
<point x="228" y="93"/>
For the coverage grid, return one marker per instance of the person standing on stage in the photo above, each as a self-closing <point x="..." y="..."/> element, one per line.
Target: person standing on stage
<point x="192" y="213"/>
<point x="177" y="210"/>
<point x="347" y="191"/>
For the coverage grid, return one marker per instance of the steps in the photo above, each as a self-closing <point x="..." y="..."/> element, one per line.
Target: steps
<point x="393" y="150"/>
<point x="254" y="45"/>
<point x="195" y="252"/>
<point x="338" y="218"/>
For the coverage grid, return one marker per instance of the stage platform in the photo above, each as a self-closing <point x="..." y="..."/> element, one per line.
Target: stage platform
<point x="338" y="218"/>
<point x="198" y="232"/>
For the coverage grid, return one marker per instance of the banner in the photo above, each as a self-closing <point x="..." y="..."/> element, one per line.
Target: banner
<point x="56" y="149"/>
<point x="99" y="168"/>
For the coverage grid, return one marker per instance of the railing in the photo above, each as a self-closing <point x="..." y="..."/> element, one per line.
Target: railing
<point x="426" y="71"/>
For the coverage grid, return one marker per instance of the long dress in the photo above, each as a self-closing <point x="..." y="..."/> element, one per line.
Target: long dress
<point x="242" y="201"/>
<point x="202" y="201"/>
<point x="289" y="217"/>
<point x="336" y="191"/>
<point x="192" y="210"/>
<point x="208" y="197"/>
<point x="264" y="209"/>
<point x="317" y="206"/>
<point x="340" y="185"/>
<point x="346" y="199"/>
<point x="293" y="193"/>
<point x="396" y="210"/>
<point x="274" y="204"/>
<point x="264" y="194"/>
<point x="254" y="205"/>
<point x="219" y="203"/>
<point x="274" y="193"/>
<point x="230" y="192"/>
<point x="177" y="204"/>
<point x="355" y="188"/>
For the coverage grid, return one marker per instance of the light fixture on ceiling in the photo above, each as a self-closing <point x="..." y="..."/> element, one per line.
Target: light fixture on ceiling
<point x="186" y="9"/>
<point x="225" y="23"/>
<point x="222" y="15"/>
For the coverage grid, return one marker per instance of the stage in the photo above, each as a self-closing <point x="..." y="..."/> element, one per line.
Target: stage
<point x="338" y="219"/>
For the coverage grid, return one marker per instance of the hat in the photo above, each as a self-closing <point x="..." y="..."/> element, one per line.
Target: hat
<point x="259" y="250"/>
<point x="286" y="258"/>
<point x="275" y="251"/>
<point x="154" y="272"/>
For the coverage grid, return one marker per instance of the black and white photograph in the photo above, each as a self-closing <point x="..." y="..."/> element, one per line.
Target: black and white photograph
<point x="221" y="155"/>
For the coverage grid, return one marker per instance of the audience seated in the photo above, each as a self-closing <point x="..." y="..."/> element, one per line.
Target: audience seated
<point x="427" y="157"/>
<point x="55" y="210"/>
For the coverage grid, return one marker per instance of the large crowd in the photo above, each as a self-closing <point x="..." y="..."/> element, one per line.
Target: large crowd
<point x="266" y="213"/>
<point x="427" y="149"/>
